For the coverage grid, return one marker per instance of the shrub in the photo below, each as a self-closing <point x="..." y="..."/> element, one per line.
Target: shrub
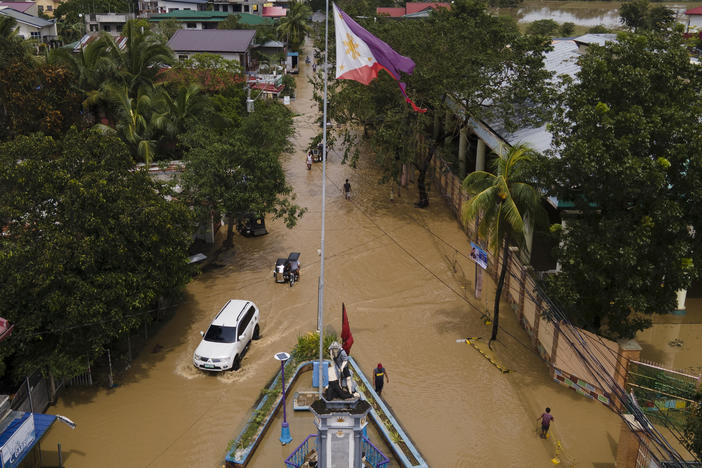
<point x="307" y="347"/>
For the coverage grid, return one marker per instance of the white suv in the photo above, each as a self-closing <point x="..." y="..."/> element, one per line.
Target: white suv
<point x="228" y="337"/>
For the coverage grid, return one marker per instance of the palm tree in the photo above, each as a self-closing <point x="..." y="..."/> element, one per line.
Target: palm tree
<point x="141" y="58"/>
<point x="502" y="202"/>
<point x="93" y="66"/>
<point x="173" y="112"/>
<point x="134" y="124"/>
<point x="293" y="27"/>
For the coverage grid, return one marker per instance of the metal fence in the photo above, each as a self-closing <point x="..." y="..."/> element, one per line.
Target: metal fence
<point x="664" y="395"/>
<point x="34" y="394"/>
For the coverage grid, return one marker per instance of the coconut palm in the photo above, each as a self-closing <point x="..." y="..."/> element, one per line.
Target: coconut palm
<point x="142" y="56"/>
<point x="502" y="202"/>
<point x="134" y="120"/>
<point x="293" y="27"/>
<point x="93" y="66"/>
<point x="173" y="112"/>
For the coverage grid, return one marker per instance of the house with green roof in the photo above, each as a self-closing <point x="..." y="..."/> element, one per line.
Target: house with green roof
<point x="192" y="19"/>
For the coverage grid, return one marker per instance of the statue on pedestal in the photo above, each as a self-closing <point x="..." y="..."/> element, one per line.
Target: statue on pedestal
<point x="341" y="384"/>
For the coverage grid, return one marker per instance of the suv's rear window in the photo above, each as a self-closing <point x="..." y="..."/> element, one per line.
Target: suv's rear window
<point x="220" y="334"/>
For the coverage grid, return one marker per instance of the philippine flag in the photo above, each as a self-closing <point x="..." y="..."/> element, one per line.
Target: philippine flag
<point x="360" y="55"/>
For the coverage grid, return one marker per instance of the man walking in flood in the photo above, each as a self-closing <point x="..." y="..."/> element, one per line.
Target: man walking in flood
<point x="546" y="419"/>
<point x="347" y="190"/>
<point x="380" y="374"/>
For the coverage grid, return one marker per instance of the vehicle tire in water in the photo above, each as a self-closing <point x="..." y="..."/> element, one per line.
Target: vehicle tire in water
<point x="237" y="363"/>
<point x="257" y="333"/>
<point x="292" y="280"/>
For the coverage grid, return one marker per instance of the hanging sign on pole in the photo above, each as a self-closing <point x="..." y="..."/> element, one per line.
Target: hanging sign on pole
<point x="478" y="255"/>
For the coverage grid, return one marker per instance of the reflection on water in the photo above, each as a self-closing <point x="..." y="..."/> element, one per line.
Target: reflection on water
<point x="580" y="13"/>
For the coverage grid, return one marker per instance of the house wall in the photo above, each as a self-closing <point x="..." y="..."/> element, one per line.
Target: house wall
<point x="224" y="55"/>
<point x="695" y="22"/>
<point x="26" y="30"/>
<point x="174" y="6"/>
<point x="47" y="6"/>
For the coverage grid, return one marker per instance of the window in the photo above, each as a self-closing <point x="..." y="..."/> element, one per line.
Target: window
<point x="225" y="8"/>
<point x="182" y="58"/>
<point x="93" y="27"/>
<point x="220" y="334"/>
<point x="186" y="9"/>
<point x="172" y="9"/>
<point x="41" y="8"/>
<point x="106" y="27"/>
<point x="191" y="25"/>
<point x="35" y="35"/>
<point x="49" y="8"/>
<point x="216" y="8"/>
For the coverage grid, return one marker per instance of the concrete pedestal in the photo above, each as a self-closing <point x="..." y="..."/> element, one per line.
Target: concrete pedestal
<point x="340" y="425"/>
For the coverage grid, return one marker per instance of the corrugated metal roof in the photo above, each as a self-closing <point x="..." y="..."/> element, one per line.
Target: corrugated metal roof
<point x="212" y="40"/>
<point x="414" y="7"/>
<point x="694" y="11"/>
<point x="598" y="39"/>
<point x="274" y="12"/>
<point x="25" y="18"/>
<point x="18" y="6"/>
<point x="562" y="60"/>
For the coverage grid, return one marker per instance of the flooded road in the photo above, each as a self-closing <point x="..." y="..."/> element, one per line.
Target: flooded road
<point x="408" y="295"/>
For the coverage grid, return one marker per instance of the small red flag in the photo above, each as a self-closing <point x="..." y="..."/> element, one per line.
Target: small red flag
<point x="346" y="336"/>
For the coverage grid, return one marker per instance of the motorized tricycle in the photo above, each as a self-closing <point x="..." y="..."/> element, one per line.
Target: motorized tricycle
<point x="287" y="269"/>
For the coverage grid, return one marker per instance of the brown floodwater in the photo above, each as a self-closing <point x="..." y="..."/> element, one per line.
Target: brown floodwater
<point x="407" y="285"/>
<point x="580" y="13"/>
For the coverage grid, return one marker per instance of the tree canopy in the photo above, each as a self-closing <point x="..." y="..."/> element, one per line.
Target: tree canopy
<point x="89" y="245"/>
<point x="499" y="72"/>
<point x="629" y="141"/>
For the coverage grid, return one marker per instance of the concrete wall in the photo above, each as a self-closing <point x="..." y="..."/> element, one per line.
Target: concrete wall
<point x="559" y="345"/>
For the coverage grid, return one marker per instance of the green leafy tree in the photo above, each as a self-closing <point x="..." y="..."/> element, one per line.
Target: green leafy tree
<point x="89" y="244"/>
<point x="629" y="139"/>
<point x="237" y="170"/>
<point x="567" y="29"/>
<point x="638" y="15"/>
<point x="599" y="29"/>
<point x="70" y="11"/>
<point x="503" y="202"/>
<point x="35" y="97"/>
<point x="293" y="27"/>
<point x="544" y="27"/>
<point x="173" y="114"/>
<point x="168" y="27"/>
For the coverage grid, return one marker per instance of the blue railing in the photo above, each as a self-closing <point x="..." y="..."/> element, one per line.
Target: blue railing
<point x="297" y="458"/>
<point x="373" y="454"/>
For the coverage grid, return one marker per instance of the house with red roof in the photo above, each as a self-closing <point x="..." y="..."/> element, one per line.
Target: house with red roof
<point x="412" y="9"/>
<point x="694" y="19"/>
<point x="29" y="8"/>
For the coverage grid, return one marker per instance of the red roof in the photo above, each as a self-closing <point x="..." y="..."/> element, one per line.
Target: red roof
<point x="694" y="11"/>
<point x="22" y="7"/>
<point x="392" y="12"/>
<point x="414" y="7"/>
<point x="268" y="88"/>
<point x="274" y="12"/>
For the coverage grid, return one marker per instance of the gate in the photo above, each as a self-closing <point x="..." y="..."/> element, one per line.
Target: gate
<point x="664" y="395"/>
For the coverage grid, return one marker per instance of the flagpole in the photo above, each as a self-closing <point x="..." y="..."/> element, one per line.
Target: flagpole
<point x="320" y="301"/>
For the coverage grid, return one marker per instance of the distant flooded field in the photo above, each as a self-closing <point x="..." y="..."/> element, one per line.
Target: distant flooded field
<point x="587" y="14"/>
